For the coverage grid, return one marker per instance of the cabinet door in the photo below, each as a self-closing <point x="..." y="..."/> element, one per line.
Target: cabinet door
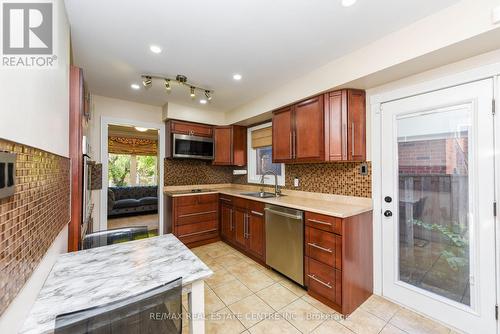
<point x="309" y="135"/>
<point x="256" y="234"/>
<point x="356" y="137"/>
<point x="226" y="219"/>
<point x="240" y="227"/>
<point x="223" y="145"/>
<point x="337" y="129"/>
<point x="191" y="129"/>
<point x="282" y="135"/>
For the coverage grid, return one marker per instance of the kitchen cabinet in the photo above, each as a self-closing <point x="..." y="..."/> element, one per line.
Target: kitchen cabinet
<point x="339" y="260"/>
<point x="188" y="128"/>
<point x="194" y="218"/>
<point x="230" y="145"/>
<point x="226" y="218"/>
<point x="327" y="127"/>
<point x="283" y="135"/>
<point x="247" y="231"/>
<point x="346" y="127"/>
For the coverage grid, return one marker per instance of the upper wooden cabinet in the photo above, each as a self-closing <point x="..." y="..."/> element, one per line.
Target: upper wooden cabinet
<point x="327" y="127"/>
<point x="230" y="145"/>
<point x="187" y="128"/>
<point x="346" y="126"/>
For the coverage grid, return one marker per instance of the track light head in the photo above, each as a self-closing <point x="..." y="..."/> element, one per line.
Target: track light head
<point x="148" y="81"/>
<point x="208" y="95"/>
<point x="193" y="95"/>
<point x="168" y="88"/>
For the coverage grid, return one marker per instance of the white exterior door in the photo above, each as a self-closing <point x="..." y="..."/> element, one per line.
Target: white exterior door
<point x="437" y="202"/>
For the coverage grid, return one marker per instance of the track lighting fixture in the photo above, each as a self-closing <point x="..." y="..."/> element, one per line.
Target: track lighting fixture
<point x="148" y="81"/>
<point x="208" y="95"/>
<point x="180" y="80"/>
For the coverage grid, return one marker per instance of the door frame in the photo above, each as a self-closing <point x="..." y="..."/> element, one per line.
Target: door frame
<point x="375" y="101"/>
<point x="105" y="122"/>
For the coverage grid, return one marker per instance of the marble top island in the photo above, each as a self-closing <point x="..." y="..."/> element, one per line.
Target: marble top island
<point x="100" y="275"/>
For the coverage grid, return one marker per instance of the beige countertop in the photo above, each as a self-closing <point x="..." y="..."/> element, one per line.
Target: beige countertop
<point x="327" y="204"/>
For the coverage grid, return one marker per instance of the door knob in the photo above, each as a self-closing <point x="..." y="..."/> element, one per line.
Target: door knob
<point x="388" y="213"/>
<point x="388" y="199"/>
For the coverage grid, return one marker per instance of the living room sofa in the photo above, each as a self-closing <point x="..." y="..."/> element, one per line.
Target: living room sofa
<point x="132" y="200"/>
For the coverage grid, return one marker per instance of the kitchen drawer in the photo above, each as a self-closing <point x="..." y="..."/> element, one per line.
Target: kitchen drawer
<point x="324" y="280"/>
<point x="197" y="209"/>
<point x="323" y="222"/>
<point x="240" y="202"/>
<point x="256" y="208"/>
<point x="198" y="236"/>
<point x="226" y="199"/>
<point x="196" y="217"/>
<point x="197" y="228"/>
<point x="195" y="199"/>
<point x="324" y="246"/>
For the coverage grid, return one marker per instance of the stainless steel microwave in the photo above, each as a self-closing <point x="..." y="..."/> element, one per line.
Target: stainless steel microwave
<point x="193" y="147"/>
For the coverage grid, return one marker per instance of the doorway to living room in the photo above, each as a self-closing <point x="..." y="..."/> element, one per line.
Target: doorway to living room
<point x="133" y="176"/>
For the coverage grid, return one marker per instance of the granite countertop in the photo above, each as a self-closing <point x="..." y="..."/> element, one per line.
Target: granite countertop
<point x="100" y="275"/>
<point x="327" y="204"/>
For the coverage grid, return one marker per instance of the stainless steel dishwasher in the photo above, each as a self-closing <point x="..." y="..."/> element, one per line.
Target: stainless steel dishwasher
<point x="285" y="241"/>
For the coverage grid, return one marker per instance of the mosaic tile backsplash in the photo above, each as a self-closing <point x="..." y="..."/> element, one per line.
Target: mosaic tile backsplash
<point x="31" y="219"/>
<point x="341" y="178"/>
<point x="188" y="171"/>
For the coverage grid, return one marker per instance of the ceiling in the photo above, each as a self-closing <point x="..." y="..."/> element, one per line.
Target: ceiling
<point x="268" y="42"/>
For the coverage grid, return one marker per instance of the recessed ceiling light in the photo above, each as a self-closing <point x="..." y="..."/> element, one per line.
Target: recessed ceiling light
<point x="203" y="101"/>
<point x="348" y="3"/>
<point x="155" y="49"/>
<point x="141" y="129"/>
<point x="237" y="77"/>
<point x="135" y="86"/>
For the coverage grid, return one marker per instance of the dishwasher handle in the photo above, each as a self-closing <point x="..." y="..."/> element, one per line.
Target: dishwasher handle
<point x="284" y="214"/>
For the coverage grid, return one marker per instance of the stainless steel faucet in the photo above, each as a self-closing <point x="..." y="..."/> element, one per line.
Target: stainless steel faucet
<point x="277" y="190"/>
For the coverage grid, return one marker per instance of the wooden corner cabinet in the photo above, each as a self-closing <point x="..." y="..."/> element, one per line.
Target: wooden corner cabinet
<point x="327" y="127"/>
<point x="339" y="260"/>
<point x="230" y="145"/>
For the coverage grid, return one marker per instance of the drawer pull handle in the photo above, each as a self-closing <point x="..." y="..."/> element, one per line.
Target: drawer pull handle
<point x="320" y="248"/>
<point x="319" y="222"/>
<point x="225" y="199"/>
<point x="197" y="214"/>
<point x="257" y="213"/>
<point x="196" y="233"/>
<point x="320" y="281"/>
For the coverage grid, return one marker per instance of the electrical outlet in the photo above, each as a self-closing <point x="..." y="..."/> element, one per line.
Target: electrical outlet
<point x="363" y="169"/>
<point x="296" y="182"/>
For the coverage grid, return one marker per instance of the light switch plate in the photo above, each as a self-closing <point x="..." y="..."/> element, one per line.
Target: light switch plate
<point x="7" y="174"/>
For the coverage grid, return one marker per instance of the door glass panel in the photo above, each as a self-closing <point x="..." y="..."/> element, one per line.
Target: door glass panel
<point x="434" y="201"/>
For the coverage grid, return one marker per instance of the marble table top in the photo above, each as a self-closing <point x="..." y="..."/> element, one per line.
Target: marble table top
<point x="100" y="275"/>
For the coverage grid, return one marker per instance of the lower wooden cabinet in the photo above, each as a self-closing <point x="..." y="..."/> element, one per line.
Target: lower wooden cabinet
<point x="194" y="218"/>
<point x="243" y="225"/>
<point x="339" y="260"/>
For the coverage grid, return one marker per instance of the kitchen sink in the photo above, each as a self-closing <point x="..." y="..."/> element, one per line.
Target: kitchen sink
<point x="260" y="194"/>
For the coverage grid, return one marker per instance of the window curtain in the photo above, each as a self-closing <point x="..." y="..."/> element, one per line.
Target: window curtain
<point x="137" y="146"/>
<point x="262" y="137"/>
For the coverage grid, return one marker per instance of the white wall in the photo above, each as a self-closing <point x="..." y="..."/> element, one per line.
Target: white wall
<point x="115" y="108"/>
<point x="34" y="102"/>
<point x="459" y="22"/>
<point x="34" y="110"/>
<point x="181" y="112"/>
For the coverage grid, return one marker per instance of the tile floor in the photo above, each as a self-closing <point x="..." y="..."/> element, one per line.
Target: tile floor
<point x="149" y="220"/>
<point x="244" y="297"/>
